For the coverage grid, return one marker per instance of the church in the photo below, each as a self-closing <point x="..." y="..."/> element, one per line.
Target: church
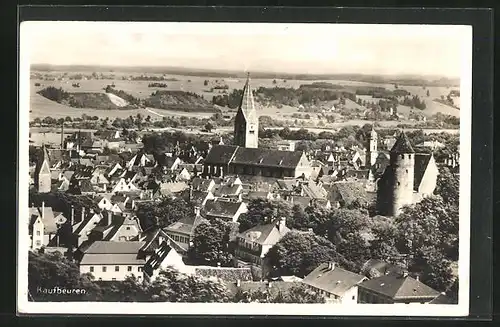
<point x="407" y="178"/>
<point x="245" y="157"/>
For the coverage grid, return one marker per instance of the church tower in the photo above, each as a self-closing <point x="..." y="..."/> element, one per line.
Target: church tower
<point x="396" y="185"/>
<point x="246" y="123"/>
<point x="42" y="172"/>
<point x="371" y="148"/>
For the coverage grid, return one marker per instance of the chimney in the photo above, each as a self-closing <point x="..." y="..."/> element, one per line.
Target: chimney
<point x="110" y="217"/>
<point x="83" y="213"/>
<point x="43" y="209"/>
<point x="238" y="283"/>
<point x="417" y="278"/>
<point x="405" y="273"/>
<point x="72" y="215"/>
<point x="269" y="284"/>
<point x="197" y="211"/>
<point x="218" y="264"/>
<point x="331" y="265"/>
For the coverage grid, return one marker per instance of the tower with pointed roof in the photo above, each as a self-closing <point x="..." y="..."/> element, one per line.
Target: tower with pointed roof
<point x="246" y="123"/>
<point x="371" y="148"/>
<point x="42" y="172"/>
<point x="395" y="187"/>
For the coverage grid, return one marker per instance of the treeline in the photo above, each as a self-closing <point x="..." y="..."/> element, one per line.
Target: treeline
<point x="231" y="100"/>
<point x="163" y="85"/>
<point x="53" y="272"/>
<point x="55" y="94"/>
<point x="179" y="100"/>
<point x="413" y="102"/>
<point x="152" y="78"/>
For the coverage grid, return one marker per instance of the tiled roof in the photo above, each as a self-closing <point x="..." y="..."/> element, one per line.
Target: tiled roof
<point x="348" y="192"/>
<point x="220" y="154"/>
<point x="336" y="281"/>
<point x="226" y="190"/>
<point x="267" y="157"/>
<point x="314" y="191"/>
<point x="186" y="225"/>
<point x="402" y="145"/>
<point x="112" y="259"/>
<point x="376" y="268"/>
<point x="109" y="247"/>
<point x="200" y="184"/>
<point x="220" y="208"/>
<point x="398" y="287"/>
<point x="268" y="234"/>
<point x="421" y="162"/>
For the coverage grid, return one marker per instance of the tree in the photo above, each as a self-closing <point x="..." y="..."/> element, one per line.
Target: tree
<point x="172" y="286"/>
<point x="299" y="253"/>
<point x="447" y="186"/>
<point x="262" y="212"/>
<point x="209" y="127"/>
<point x="168" y="211"/>
<point x="53" y="272"/>
<point x="211" y="244"/>
<point x="298" y="293"/>
<point x="205" y="83"/>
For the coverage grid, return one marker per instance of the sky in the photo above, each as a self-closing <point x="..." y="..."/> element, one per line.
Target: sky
<point x="289" y="48"/>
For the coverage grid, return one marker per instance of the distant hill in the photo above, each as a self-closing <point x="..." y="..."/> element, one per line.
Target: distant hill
<point x="368" y="78"/>
<point x="117" y="99"/>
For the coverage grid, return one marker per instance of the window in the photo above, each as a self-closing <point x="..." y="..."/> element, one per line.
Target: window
<point x="117" y="268"/>
<point x="406" y="170"/>
<point x="113" y="279"/>
<point x="252" y="132"/>
<point x="129" y="268"/>
<point x="91" y="269"/>
<point x="354" y="297"/>
<point x="38" y="243"/>
<point x="104" y="269"/>
<point x="139" y="269"/>
<point x="100" y="278"/>
<point x="37" y="233"/>
<point x="128" y="228"/>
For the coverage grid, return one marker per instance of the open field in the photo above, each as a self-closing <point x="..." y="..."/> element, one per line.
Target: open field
<point x="42" y="107"/>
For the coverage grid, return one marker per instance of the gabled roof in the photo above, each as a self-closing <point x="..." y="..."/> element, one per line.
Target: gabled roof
<point x="314" y="191"/>
<point x="335" y="281"/>
<point x="219" y="208"/>
<point x="110" y="247"/>
<point x="227" y="190"/>
<point x="109" y="253"/>
<point x="186" y="225"/>
<point x="348" y="192"/>
<point x="376" y="268"/>
<point x="48" y="218"/>
<point x="402" y="145"/>
<point x="268" y="234"/>
<point x="267" y="157"/>
<point x="220" y="154"/>
<point x="200" y="184"/>
<point x="398" y="287"/>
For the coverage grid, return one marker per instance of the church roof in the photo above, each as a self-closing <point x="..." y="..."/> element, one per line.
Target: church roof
<point x="402" y="144"/>
<point x="247" y="105"/>
<point x="421" y="162"/>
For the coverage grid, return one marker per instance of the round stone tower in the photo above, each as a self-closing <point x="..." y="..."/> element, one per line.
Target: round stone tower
<point x="395" y="187"/>
<point x="402" y="168"/>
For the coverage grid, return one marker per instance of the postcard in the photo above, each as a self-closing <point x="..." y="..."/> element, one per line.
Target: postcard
<point x="244" y="168"/>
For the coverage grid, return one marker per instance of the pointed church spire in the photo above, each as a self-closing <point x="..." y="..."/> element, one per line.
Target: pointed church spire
<point x="247" y="104"/>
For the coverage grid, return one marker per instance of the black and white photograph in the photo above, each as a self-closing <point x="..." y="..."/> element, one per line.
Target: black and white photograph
<point x="244" y="168"/>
